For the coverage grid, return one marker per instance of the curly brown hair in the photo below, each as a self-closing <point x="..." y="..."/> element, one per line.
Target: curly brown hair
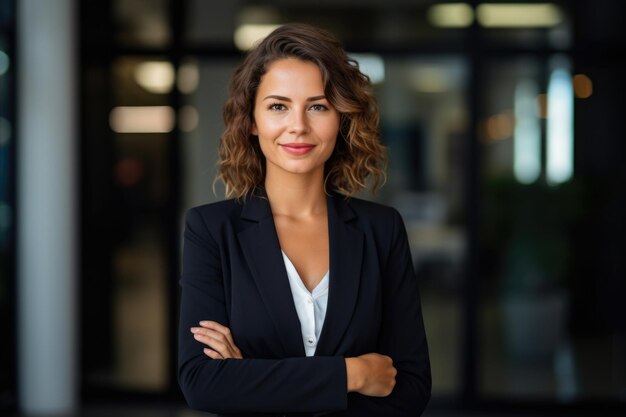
<point x="358" y="153"/>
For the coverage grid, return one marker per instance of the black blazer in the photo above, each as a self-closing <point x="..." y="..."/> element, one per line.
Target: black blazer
<point x="234" y="273"/>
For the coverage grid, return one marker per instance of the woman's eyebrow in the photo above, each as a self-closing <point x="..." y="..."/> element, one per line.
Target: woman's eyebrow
<point x="282" y="98"/>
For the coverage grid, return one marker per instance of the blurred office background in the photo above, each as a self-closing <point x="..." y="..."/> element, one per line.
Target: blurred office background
<point x="506" y="131"/>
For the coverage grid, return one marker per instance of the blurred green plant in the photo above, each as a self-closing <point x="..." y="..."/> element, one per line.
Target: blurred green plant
<point x="531" y="228"/>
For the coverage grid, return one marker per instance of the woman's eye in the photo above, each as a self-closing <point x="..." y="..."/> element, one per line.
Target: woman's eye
<point x="319" y="107"/>
<point x="277" y="107"/>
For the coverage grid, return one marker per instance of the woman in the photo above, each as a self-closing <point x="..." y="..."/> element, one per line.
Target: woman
<point x="297" y="298"/>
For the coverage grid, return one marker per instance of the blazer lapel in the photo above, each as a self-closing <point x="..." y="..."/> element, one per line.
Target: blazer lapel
<point x="261" y="249"/>
<point x="346" y="256"/>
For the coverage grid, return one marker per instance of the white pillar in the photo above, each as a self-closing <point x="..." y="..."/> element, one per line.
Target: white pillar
<point x="47" y="216"/>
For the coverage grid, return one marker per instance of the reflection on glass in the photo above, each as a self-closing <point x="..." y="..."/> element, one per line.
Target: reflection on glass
<point x="4" y="63"/>
<point x="583" y="86"/>
<point x="188" y="77"/>
<point x="560" y="129"/>
<point x="431" y="78"/>
<point x="371" y="65"/>
<point x="155" y="76"/>
<point x="529" y="347"/>
<point x="527" y="139"/>
<point x="188" y="118"/>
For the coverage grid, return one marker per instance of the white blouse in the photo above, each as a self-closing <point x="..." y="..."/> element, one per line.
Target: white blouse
<point x="310" y="306"/>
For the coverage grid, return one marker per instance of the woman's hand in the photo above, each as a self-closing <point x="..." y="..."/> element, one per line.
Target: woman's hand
<point x="371" y="374"/>
<point x="218" y="339"/>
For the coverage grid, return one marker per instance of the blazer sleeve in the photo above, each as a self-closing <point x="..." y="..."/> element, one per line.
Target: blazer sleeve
<point x="301" y="384"/>
<point x="402" y="336"/>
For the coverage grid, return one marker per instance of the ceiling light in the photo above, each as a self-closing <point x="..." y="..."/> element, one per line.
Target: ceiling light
<point x="248" y="35"/>
<point x="518" y="15"/>
<point x="155" y="76"/>
<point x="142" y="119"/>
<point x="451" y="15"/>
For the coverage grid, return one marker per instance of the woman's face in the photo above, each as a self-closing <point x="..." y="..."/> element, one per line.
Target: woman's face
<point x="296" y="125"/>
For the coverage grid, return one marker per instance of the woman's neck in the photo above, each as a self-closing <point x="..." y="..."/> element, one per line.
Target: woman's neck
<point x="295" y="195"/>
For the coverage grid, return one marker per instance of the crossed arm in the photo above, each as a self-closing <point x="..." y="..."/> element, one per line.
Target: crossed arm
<point x="371" y="374"/>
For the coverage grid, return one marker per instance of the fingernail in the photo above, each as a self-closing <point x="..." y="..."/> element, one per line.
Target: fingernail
<point x="194" y="329"/>
<point x="203" y="322"/>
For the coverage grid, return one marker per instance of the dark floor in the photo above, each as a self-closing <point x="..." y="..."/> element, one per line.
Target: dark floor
<point x="176" y="411"/>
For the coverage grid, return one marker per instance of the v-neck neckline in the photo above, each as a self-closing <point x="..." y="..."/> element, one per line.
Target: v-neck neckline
<point x="319" y="287"/>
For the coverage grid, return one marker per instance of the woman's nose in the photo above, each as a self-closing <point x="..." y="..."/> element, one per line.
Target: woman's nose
<point x="298" y="123"/>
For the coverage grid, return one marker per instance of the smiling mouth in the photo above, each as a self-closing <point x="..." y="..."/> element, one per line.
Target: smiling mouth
<point x="297" y="148"/>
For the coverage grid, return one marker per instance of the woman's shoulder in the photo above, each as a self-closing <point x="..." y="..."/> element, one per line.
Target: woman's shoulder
<point x="214" y="213"/>
<point x="371" y="209"/>
<point x="376" y="216"/>
<point x="382" y="222"/>
<point x="217" y="207"/>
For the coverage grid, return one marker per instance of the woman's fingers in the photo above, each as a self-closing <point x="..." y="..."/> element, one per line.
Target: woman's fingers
<point x="213" y="325"/>
<point x="215" y="340"/>
<point x="218" y="339"/>
<point x="212" y="354"/>
<point x="212" y="339"/>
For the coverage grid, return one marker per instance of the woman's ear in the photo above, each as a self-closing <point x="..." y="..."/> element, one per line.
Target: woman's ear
<point x="254" y="131"/>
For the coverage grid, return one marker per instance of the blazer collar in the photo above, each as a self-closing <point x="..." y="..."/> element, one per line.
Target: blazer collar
<point x="346" y="258"/>
<point x="256" y="207"/>
<point x="262" y="251"/>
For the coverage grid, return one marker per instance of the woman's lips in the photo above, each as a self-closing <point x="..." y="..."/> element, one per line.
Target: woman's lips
<point x="297" y="148"/>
